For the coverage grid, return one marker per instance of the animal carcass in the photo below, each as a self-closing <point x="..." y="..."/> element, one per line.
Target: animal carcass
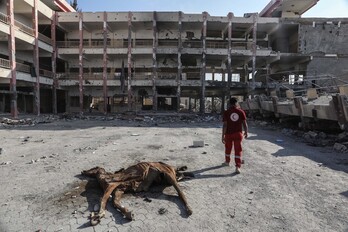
<point x="135" y="178"/>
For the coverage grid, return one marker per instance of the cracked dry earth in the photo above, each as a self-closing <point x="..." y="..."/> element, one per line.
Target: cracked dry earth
<point x="285" y="184"/>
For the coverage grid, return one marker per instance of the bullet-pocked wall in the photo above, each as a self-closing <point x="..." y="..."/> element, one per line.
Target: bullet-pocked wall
<point x="326" y="40"/>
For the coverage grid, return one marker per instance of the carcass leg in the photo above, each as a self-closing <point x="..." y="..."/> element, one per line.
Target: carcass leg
<point x="173" y="182"/>
<point x="95" y="218"/>
<point x="117" y="204"/>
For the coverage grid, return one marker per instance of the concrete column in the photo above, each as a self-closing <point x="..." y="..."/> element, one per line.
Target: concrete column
<point x="255" y="19"/>
<point x="229" y="61"/>
<point x="203" y="66"/>
<point x="246" y="73"/>
<point x="105" y="90"/>
<point x="81" y="61"/>
<point x="12" y="58"/>
<point x="195" y="102"/>
<point x="178" y="78"/>
<point x="54" y="61"/>
<point x="190" y="104"/>
<point x="154" y="61"/>
<point x="24" y="103"/>
<point x="36" y="58"/>
<point x="267" y="78"/>
<point x="2" y="108"/>
<point x="223" y="103"/>
<point x="67" y="102"/>
<point x="129" y="80"/>
<point x="212" y="104"/>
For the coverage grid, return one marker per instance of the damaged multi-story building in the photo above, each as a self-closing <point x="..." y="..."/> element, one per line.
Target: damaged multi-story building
<point x="54" y="59"/>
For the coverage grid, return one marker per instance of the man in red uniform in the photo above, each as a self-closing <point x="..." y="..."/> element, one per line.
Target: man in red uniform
<point x="234" y="120"/>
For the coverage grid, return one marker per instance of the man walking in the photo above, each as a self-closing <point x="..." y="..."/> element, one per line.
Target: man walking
<point x="234" y="120"/>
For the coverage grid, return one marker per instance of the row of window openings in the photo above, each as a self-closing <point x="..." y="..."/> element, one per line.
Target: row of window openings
<point x="292" y="79"/>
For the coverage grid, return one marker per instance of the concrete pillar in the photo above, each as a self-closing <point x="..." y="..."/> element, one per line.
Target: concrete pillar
<point x="229" y="61"/>
<point x="299" y="105"/>
<point x="190" y="104"/>
<point x="154" y="61"/>
<point x="255" y="19"/>
<point x="36" y="58"/>
<point x="54" y="61"/>
<point x="105" y="89"/>
<point x="223" y="103"/>
<point x="81" y="61"/>
<point x="12" y="58"/>
<point x="129" y="80"/>
<point x="24" y="103"/>
<point x="67" y="102"/>
<point x="203" y="66"/>
<point x="2" y="105"/>
<point x="268" y="69"/>
<point x="178" y="78"/>
<point x="212" y="104"/>
<point x="195" y="103"/>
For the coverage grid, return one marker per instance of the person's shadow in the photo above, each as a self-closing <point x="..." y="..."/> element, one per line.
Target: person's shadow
<point x="198" y="173"/>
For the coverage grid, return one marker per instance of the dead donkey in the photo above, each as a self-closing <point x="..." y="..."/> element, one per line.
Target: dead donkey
<point x="135" y="178"/>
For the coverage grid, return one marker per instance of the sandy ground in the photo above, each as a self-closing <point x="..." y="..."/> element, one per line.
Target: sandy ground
<point x="285" y="185"/>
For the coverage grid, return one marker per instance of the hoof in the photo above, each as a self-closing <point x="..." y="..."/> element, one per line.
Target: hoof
<point x="129" y="216"/>
<point x="189" y="211"/>
<point x="95" y="218"/>
<point x="95" y="221"/>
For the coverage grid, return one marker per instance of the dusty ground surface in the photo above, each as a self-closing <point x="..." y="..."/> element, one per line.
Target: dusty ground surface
<point x="285" y="184"/>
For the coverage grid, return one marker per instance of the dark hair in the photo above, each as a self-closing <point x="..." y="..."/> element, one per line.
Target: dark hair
<point x="233" y="101"/>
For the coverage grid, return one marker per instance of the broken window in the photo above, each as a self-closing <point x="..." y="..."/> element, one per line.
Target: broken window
<point x="235" y="77"/>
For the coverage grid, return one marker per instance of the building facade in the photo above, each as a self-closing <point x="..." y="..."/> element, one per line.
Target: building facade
<point x="54" y="60"/>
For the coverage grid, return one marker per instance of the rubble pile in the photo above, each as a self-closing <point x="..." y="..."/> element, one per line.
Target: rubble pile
<point x="27" y="121"/>
<point x="339" y="142"/>
<point x="149" y="119"/>
<point x="14" y="122"/>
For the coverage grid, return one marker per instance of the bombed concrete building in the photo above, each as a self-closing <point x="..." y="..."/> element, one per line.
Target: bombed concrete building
<point x="54" y="59"/>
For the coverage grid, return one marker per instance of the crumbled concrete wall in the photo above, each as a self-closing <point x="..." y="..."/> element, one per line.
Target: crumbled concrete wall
<point x="325" y="36"/>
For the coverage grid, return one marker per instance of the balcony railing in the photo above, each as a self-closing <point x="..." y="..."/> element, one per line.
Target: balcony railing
<point x="192" y="44"/>
<point x="45" y="39"/>
<point x="220" y="44"/>
<point x="4" y="63"/>
<point x="25" y="68"/>
<point x="24" y="28"/>
<point x="45" y="73"/>
<point x="167" y="43"/>
<point x="22" y="68"/>
<point x="3" y="18"/>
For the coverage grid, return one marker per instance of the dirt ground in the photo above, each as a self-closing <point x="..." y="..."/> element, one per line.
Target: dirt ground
<point x="285" y="185"/>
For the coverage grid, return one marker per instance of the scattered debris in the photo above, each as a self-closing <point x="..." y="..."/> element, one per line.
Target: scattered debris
<point x="162" y="211"/>
<point x="6" y="163"/>
<point x="147" y="199"/>
<point x="233" y="215"/>
<point x="339" y="147"/>
<point x="199" y="143"/>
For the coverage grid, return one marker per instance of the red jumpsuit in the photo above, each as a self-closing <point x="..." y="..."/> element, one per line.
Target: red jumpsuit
<point x="234" y="134"/>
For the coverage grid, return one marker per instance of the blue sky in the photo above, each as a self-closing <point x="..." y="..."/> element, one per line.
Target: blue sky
<point x="324" y="8"/>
